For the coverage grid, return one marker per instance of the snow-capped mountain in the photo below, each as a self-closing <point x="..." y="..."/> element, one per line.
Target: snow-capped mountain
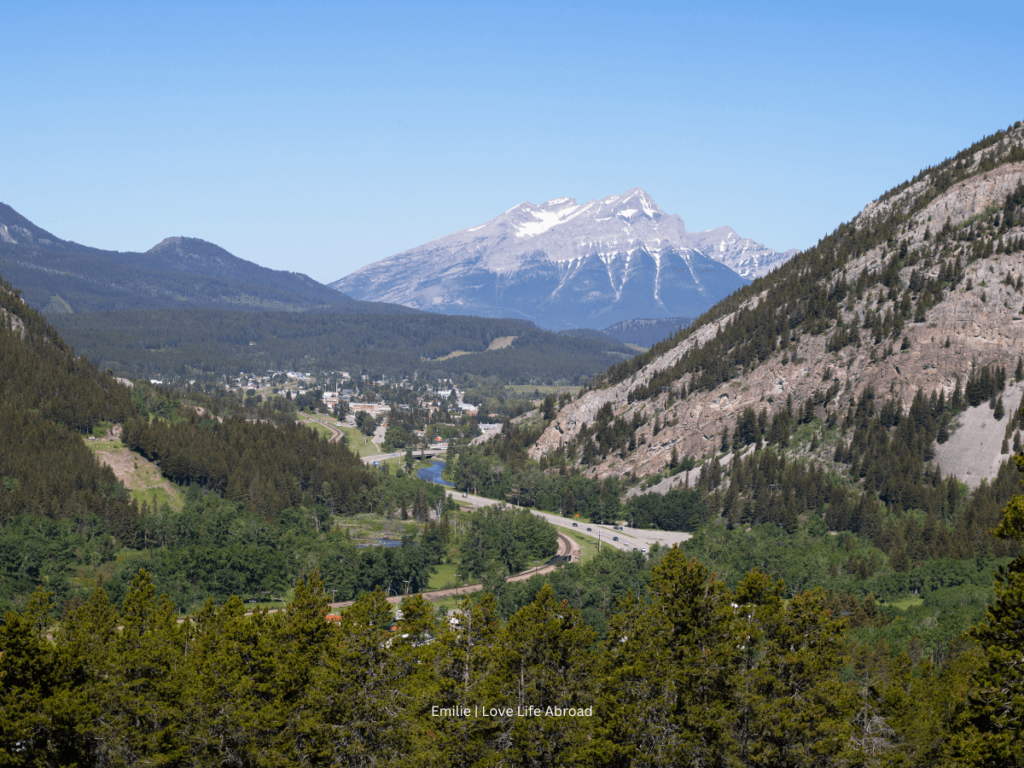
<point x="563" y="264"/>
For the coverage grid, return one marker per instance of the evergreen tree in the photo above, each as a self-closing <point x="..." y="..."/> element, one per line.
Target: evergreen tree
<point x="992" y="730"/>
<point x="542" y="658"/>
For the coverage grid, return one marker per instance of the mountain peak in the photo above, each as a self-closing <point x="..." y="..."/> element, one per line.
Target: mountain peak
<point x="632" y="205"/>
<point x="566" y="264"/>
<point x="179" y="243"/>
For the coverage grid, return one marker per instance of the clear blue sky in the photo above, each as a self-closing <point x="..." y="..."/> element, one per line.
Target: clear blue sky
<point x="321" y="137"/>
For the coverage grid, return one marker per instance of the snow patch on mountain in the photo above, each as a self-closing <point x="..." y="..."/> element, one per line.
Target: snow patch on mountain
<point x="567" y="264"/>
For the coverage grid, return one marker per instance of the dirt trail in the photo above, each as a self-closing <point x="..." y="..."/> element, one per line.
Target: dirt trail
<point x="336" y="434"/>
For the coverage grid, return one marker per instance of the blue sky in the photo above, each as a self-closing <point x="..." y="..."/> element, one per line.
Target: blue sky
<point x="321" y="138"/>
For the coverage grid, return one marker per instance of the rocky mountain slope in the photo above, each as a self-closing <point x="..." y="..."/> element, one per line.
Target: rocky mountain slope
<point x="60" y="276"/>
<point x="564" y="265"/>
<point x="921" y="291"/>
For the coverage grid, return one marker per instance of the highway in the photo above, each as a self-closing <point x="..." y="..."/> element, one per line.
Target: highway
<point x="628" y="538"/>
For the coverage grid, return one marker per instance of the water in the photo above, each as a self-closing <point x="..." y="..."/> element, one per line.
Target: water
<point x="432" y="474"/>
<point x="382" y="543"/>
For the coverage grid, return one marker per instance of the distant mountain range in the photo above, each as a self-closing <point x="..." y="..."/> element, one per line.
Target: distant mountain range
<point x="60" y="276"/>
<point x="568" y="265"/>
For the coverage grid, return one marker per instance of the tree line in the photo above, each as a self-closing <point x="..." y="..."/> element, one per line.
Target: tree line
<point x="697" y="672"/>
<point x="153" y="343"/>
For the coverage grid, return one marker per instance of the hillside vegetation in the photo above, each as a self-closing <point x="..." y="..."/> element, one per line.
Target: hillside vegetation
<point x="58" y="276"/>
<point x="263" y="499"/>
<point x="815" y="468"/>
<point x="155" y="343"/>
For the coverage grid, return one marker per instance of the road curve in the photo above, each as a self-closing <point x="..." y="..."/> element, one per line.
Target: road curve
<point x="628" y="538"/>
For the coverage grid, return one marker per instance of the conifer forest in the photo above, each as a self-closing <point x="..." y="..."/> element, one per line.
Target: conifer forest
<point x="278" y="594"/>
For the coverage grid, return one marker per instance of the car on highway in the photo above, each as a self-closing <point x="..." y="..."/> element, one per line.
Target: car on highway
<point x="590" y="529"/>
<point x="575" y="525"/>
<point x="615" y="538"/>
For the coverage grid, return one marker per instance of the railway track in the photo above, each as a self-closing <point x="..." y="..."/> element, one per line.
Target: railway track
<point x="566" y="548"/>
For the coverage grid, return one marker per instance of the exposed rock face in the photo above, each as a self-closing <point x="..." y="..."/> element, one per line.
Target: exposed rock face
<point x="569" y="265"/>
<point x="978" y="326"/>
<point x="974" y="451"/>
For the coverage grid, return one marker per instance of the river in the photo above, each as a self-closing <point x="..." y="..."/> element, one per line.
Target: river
<point x="432" y="474"/>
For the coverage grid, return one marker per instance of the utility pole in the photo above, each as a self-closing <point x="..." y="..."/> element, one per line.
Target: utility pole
<point x="599" y="541"/>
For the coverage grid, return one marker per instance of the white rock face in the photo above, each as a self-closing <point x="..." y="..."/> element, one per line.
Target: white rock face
<point x="565" y="264"/>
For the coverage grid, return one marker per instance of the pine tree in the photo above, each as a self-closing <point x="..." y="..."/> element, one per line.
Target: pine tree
<point x="356" y="709"/>
<point x="992" y="730"/>
<point x="29" y="679"/>
<point x="542" y="658"/>
<point x="792" y="708"/>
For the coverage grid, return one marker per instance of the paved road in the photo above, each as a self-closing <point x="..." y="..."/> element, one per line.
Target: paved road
<point x="628" y="538"/>
<point x="401" y="454"/>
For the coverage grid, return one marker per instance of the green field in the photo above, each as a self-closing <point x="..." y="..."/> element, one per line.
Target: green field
<point x="372" y="526"/>
<point x="444" y="577"/>
<point x="359" y="442"/>
<point x="911" y="601"/>
<point x="318" y="427"/>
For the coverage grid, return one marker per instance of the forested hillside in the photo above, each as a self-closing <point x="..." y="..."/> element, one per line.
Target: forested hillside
<point x="52" y="487"/>
<point x="58" y="276"/>
<point x="261" y="495"/>
<point x="156" y="343"/>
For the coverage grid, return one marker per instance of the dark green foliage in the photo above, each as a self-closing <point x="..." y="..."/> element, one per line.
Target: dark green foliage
<point x="991" y="730"/>
<point x="158" y="342"/>
<point x="59" y="508"/>
<point x="48" y="471"/>
<point x="265" y="467"/>
<point x="214" y="549"/>
<point x="677" y="510"/>
<point x="506" y="540"/>
<point x="39" y="372"/>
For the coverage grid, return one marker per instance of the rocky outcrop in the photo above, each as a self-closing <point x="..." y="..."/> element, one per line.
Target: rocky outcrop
<point x="979" y="323"/>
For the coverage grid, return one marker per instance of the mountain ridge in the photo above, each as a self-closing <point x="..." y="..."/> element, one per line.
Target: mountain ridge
<point x="920" y="290"/>
<point x="61" y="276"/>
<point x="564" y="264"/>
